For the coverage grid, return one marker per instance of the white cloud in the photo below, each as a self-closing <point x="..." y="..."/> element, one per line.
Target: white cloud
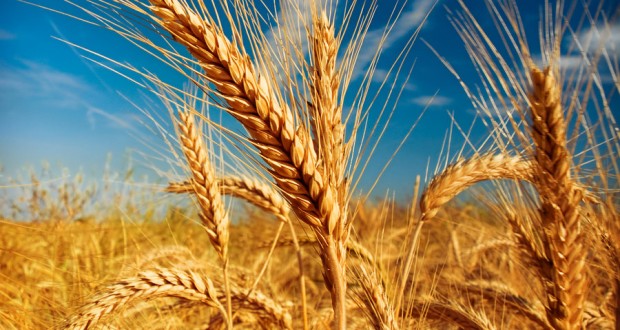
<point x="408" y="22"/>
<point x="570" y="62"/>
<point x="6" y="35"/>
<point x="431" y="100"/>
<point x="37" y="87"/>
<point x="597" y="37"/>
<point x="379" y="75"/>
<point x="124" y="121"/>
<point x="38" y="82"/>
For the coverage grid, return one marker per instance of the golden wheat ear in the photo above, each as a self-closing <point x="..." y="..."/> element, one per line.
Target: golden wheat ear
<point x="465" y="173"/>
<point x="560" y="199"/>
<point x="453" y="180"/>
<point x="287" y="148"/>
<point x="252" y="100"/>
<point x="250" y="189"/>
<point x="372" y="296"/>
<point x="207" y="192"/>
<point x="203" y="184"/>
<point x="148" y="284"/>
<point x="187" y="285"/>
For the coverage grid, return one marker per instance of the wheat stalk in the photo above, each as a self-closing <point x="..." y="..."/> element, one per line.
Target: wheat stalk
<point x="463" y="316"/>
<point x="560" y="201"/>
<point x="287" y="149"/>
<point x="467" y="172"/>
<point x="253" y="102"/>
<point x="329" y="141"/>
<point x="327" y="113"/>
<point x="498" y="293"/>
<point x="147" y="285"/>
<point x="450" y="182"/>
<point x="374" y="298"/>
<point x="203" y="183"/>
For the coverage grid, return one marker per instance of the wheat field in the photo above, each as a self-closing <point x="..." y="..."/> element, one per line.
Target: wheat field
<point x="523" y="232"/>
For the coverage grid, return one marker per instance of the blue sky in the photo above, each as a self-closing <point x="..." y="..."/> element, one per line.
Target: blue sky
<point x="59" y="107"/>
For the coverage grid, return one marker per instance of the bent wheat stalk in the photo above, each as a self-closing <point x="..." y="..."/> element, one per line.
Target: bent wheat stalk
<point x="453" y="180"/>
<point x="147" y="285"/>
<point x="176" y="283"/>
<point x="465" y="173"/>
<point x="249" y="189"/>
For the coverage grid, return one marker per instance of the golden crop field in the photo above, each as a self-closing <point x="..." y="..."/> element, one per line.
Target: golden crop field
<point x="521" y="233"/>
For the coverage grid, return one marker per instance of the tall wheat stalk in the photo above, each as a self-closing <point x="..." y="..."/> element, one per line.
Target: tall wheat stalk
<point x="560" y="202"/>
<point x="207" y="192"/>
<point x="537" y="99"/>
<point x="313" y="191"/>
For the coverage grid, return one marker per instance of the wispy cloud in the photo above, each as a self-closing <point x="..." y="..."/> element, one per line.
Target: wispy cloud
<point x="431" y="100"/>
<point x="124" y="121"/>
<point x="6" y="35"/>
<point x="570" y="62"/>
<point x="493" y="108"/>
<point x="37" y="82"/>
<point x="600" y="37"/>
<point x="408" y="22"/>
<point x="590" y="43"/>
<point x="88" y="64"/>
<point x="37" y="87"/>
<point x="380" y="75"/>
